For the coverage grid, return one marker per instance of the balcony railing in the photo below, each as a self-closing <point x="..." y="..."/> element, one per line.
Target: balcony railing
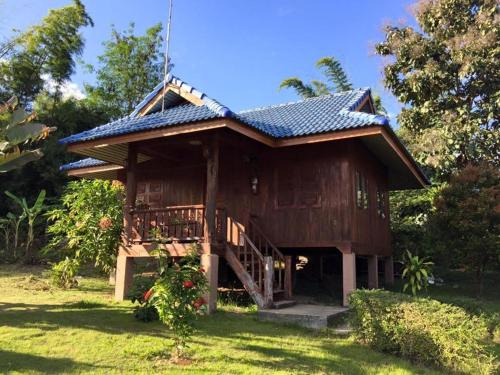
<point x="174" y="224"/>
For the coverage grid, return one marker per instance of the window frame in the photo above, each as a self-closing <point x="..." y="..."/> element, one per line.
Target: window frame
<point x="361" y="192"/>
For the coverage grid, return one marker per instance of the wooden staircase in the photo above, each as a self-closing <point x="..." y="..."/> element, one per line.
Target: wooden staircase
<point x="263" y="270"/>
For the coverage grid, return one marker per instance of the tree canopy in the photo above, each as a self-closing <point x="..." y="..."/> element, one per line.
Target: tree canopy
<point x="46" y="51"/>
<point x="447" y="73"/>
<point x="130" y="67"/>
<point x="336" y="81"/>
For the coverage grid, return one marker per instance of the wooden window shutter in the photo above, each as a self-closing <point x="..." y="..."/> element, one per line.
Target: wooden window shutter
<point x="308" y="183"/>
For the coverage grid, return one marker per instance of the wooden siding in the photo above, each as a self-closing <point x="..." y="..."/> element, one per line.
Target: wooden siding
<point x="316" y="207"/>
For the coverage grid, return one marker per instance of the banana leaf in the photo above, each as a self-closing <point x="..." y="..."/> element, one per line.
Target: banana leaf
<point x="16" y="160"/>
<point x="22" y="133"/>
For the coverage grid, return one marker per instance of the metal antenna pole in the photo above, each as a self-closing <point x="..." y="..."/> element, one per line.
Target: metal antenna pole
<point x="167" y="48"/>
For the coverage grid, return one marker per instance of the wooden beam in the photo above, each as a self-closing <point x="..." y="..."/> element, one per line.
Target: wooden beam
<point x="150" y="134"/>
<point x="332" y="136"/>
<point x="88" y="170"/>
<point x="130" y="191"/>
<point x="268" y="281"/>
<point x="372" y="272"/>
<point x="400" y="151"/>
<point x="157" y="155"/>
<point x="211" y="153"/>
<point x="289" y="265"/>
<point x="176" y="89"/>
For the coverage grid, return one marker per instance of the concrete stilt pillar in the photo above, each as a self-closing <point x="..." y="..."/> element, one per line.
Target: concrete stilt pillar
<point x="210" y="262"/>
<point x="112" y="276"/>
<point x="373" y="272"/>
<point x="389" y="271"/>
<point x="348" y="275"/>
<point x="124" y="276"/>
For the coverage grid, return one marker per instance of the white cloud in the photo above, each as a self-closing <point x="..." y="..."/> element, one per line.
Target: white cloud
<point x="68" y="89"/>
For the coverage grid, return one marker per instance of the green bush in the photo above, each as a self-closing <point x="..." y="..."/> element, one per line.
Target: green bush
<point x="144" y="311"/>
<point x="423" y="330"/>
<point x="63" y="274"/>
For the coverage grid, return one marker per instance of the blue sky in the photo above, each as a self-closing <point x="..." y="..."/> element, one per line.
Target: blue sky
<point x="238" y="51"/>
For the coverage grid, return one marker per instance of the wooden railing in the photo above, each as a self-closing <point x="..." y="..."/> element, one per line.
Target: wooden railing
<point x="247" y="253"/>
<point x="174" y="224"/>
<point x="281" y="264"/>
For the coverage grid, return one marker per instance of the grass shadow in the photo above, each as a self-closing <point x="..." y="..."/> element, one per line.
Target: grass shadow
<point x="22" y="362"/>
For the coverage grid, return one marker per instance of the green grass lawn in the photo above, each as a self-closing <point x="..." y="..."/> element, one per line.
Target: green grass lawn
<point x="46" y="330"/>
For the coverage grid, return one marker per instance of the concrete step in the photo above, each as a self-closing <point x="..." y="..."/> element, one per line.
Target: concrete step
<point x="310" y="316"/>
<point x="283" y="304"/>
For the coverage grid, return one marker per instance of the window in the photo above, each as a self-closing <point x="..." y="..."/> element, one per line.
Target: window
<point x="361" y="191"/>
<point x="308" y="194"/>
<point x="381" y="197"/>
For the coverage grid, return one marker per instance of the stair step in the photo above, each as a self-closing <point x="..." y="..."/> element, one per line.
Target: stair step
<point x="283" y="304"/>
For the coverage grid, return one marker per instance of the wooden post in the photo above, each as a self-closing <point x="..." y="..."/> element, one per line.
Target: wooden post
<point x="288" y="277"/>
<point x="131" y="188"/>
<point x="124" y="276"/>
<point x="348" y="275"/>
<point x="373" y="272"/>
<point x="389" y="271"/>
<point x="211" y="153"/>
<point x="268" y="281"/>
<point x="210" y="262"/>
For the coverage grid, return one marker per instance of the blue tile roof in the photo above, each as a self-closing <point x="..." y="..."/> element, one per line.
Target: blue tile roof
<point x="305" y="117"/>
<point x="83" y="163"/>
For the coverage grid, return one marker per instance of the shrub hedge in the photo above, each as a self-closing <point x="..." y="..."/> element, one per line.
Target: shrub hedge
<point x="423" y="330"/>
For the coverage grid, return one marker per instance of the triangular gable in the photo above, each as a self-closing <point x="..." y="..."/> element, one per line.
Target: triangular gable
<point x="176" y="92"/>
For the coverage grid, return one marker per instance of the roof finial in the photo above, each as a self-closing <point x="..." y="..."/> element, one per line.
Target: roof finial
<point x="167" y="47"/>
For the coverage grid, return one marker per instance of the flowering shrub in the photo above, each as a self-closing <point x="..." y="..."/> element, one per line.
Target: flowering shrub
<point x="87" y="225"/>
<point x="178" y="297"/>
<point x="141" y="292"/>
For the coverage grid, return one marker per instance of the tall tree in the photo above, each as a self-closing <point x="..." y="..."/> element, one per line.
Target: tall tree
<point x="130" y="67"/>
<point x="447" y="73"/>
<point x="46" y="51"/>
<point x="466" y="221"/>
<point x="336" y="81"/>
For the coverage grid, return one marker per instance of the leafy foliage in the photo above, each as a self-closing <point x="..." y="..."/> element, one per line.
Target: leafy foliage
<point x="178" y="296"/>
<point x="447" y="74"/>
<point x="45" y="51"/>
<point x="334" y="74"/>
<point x="63" y="274"/>
<point x="145" y="311"/>
<point x="416" y="272"/>
<point x="337" y="81"/>
<point x="17" y="128"/>
<point x="130" y="68"/>
<point x="410" y="212"/>
<point x="30" y="214"/>
<point x="423" y="330"/>
<point x="87" y="227"/>
<point x="466" y="222"/>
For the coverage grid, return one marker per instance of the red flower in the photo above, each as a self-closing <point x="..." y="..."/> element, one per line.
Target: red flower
<point x="105" y="223"/>
<point x="198" y="303"/>
<point x="147" y="294"/>
<point x="188" y="284"/>
<point x="201" y="270"/>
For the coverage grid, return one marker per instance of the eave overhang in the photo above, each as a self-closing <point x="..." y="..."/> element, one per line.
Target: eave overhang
<point x="404" y="173"/>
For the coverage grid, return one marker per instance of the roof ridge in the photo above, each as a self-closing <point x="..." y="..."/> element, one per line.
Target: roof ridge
<point x="212" y="104"/>
<point x="320" y="97"/>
